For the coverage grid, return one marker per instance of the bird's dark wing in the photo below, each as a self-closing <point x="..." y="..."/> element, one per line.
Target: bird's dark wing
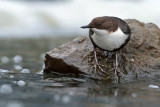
<point x="124" y="26"/>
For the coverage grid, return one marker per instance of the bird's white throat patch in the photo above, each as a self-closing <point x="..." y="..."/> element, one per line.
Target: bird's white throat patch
<point x="109" y="40"/>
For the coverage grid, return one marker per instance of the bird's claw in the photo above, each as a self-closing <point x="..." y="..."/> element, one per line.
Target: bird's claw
<point x="100" y="67"/>
<point x="116" y="72"/>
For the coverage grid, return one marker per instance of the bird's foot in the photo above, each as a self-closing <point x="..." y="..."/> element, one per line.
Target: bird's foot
<point x="100" y="67"/>
<point x="116" y="71"/>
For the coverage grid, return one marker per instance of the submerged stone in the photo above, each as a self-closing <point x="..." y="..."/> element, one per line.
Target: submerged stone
<point x="141" y="56"/>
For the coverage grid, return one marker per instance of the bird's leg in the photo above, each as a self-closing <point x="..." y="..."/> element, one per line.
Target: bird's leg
<point x="116" y="65"/>
<point x="97" y="63"/>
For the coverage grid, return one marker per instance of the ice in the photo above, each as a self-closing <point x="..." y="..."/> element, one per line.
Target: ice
<point x="17" y="59"/>
<point x="153" y="86"/>
<point x="11" y="76"/>
<point x="4" y="59"/>
<point x="6" y="89"/>
<point x="21" y="83"/>
<point x="25" y="71"/>
<point x="66" y="99"/>
<point x="18" y="67"/>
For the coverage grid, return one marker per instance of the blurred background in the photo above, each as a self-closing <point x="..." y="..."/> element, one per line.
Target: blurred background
<point x="50" y="18"/>
<point x="30" y="28"/>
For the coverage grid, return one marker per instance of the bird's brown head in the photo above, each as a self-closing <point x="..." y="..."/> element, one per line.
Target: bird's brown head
<point x="98" y="22"/>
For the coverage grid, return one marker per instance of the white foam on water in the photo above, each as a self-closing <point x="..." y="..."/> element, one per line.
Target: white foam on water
<point x="25" y="19"/>
<point x="21" y="83"/>
<point x="18" y="67"/>
<point x="5" y="59"/>
<point x="6" y="89"/>
<point x="57" y="97"/>
<point x="25" y="71"/>
<point x="42" y="56"/>
<point x="43" y="66"/>
<point x="41" y="72"/>
<point x="11" y="76"/>
<point x="5" y="71"/>
<point x="66" y="99"/>
<point x="14" y="104"/>
<point x="134" y="95"/>
<point x="17" y="59"/>
<point x="153" y="86"/>
<point x="1" y="70"/>
<point x="71" y="93"/>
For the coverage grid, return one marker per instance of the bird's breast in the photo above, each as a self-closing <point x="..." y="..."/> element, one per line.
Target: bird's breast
<point x="109" y="40"/>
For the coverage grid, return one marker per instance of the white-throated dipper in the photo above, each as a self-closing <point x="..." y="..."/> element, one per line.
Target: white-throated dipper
<point x="108" y="34"/>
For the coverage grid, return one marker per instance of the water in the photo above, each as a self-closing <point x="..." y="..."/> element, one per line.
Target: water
<point x="45" y="90"/>
<point x="34" y="89"/>
<point x="23" y="18"/>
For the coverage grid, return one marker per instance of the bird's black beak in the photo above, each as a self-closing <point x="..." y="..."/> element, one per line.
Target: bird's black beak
<point x="87" y="26"/>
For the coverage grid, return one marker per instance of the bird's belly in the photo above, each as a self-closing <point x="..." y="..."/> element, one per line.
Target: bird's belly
<point x="109" y="41"/>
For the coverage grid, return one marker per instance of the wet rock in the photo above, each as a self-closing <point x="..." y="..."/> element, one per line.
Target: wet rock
<point x="141" y="56"/>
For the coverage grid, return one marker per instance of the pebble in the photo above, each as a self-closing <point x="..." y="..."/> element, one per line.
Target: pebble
<point x="25" y="71"/>
<point x="6" y="89"/>
<point x="21" y="83"/>
<point x="18" y="67"/>
<point x="17" y="59"/>
<point x="153" y="86"/>
<point x="4" y="59"/>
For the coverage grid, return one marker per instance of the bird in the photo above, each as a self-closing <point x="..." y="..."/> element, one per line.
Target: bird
<point x="108" y="33"/>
